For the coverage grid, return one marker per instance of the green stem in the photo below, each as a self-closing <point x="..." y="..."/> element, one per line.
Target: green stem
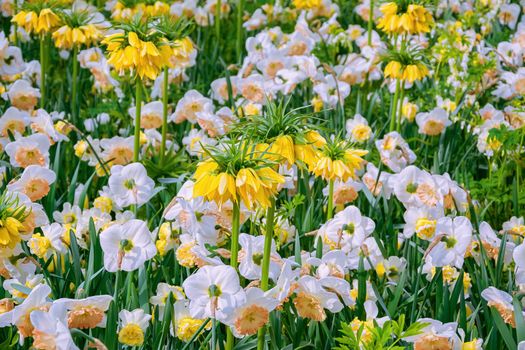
<point x="234" y="249"/>
<point x="213" y="333"/>
<point x="138" y="107"/>
<point x="74" y="79"/>
<point x="329" y="211"/>
<point x="268" y="238"/>
<point x="15" y="26"/>
<point x="239" y="43"/>
<point x="370" y="22"/>
<point x="218" y="21"/>
<point x="400" y="112"/>
<point x="164" y="116"/>
<point x="42" y="71"/>
<point x="393" y="108"/>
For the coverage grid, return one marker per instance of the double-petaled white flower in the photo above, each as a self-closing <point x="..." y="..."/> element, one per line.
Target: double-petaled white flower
<point x="214" y="291"/>
<point x="127" y="246"/>
<point x="131" y="185"/>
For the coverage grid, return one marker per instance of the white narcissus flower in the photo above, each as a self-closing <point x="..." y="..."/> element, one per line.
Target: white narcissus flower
<point x="188" y="107"/>
<point x="150" y="115"/>
<point x="86" y="313"/>
<point x="127" y="246"/>
<point x="357" y="129"/>
<point x="332" y="91"/>
<point x="35" y="182"/>
<point x="253" y="314"/>
<point x="519" y="259"/>
<point x="51" y="330"/>
<point x="52" y="239"/>
<point x="251" y="257"/>
<point x="311" y="299"/>
<point x="14" y="121"/>
<point x="415" y="187"/>
<point x="133" y="325"/>
<point x="455" y="236"/>
<point x="284" y="285"/>
<point x="395" y="152"/>
<point x="30" y="150"/>
<point x="332" y="263"/>
<point x="433" y="123"/>
<point x="22" y="95"/>
<point x="163" y="292"/>
<point x="515" y="226"/>
<point x="131" y="185"/>
<point x="436" y="335"/>
<point x="20" y="315"/>
<point x="185" y="326"/>
<point x="347" y="230"/>
<point x="502" y="302"/>
<point x="491" y="245"/>
<point x="421" y="221"/>
<point x="214" y="291"/>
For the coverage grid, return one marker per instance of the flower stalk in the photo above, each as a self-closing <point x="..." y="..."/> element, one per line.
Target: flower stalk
<point x="393" y="108"/>
<point x="330" y="210"/>
<point x="234" y="249"/>
<point x="164" y="116"/>
<point x="268" y="236"/>
<point x="43" y="71"/>
<point x="138" y="107"/>
<point x="74" y="88"/>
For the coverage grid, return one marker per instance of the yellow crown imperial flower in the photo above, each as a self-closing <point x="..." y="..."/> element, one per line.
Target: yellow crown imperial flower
<point x="147" y="56"/>
<point x="37" y="21"/>
<point x="12" y="216"/>
<point x="337" y="160"/>
<point x="403" y="19"/>
<point x="239" y="172"/>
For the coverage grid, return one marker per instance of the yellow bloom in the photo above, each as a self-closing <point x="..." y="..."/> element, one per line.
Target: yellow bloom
<point x="283" y="146"/>
<point x="187" y="327"/>
<point x="10" y="232"/>
<point x="417" y="19"/>
<point x="39" y="245"/>
<point x="131" y="334"/>
<point x="44" y="22"/>
<point x="337" y="160"/>
<point x="105" y="204"/>
<point x="251" y="185"/>
<point x="410" y="72"/>
<point x="393" y="70"/>
<point x="306" y="4"/>
<point x="127" y="52"/>
<point x="66" y="37"/>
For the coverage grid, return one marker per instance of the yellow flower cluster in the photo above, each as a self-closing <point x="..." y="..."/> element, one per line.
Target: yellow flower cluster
<point x="410" y="72"/>
<point x="254" y="186"/>
<point x="127" y="52"/>
<point x="43" y="22"/>
<point x="66" y="37"/>
<point x="284" y="148"/>
<point x="417" y="19"/>
<point x="10" y="232"/>
<point x="120" y="12"/>
<point x="306" y="4"/>
<point x="343" y="168"/>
